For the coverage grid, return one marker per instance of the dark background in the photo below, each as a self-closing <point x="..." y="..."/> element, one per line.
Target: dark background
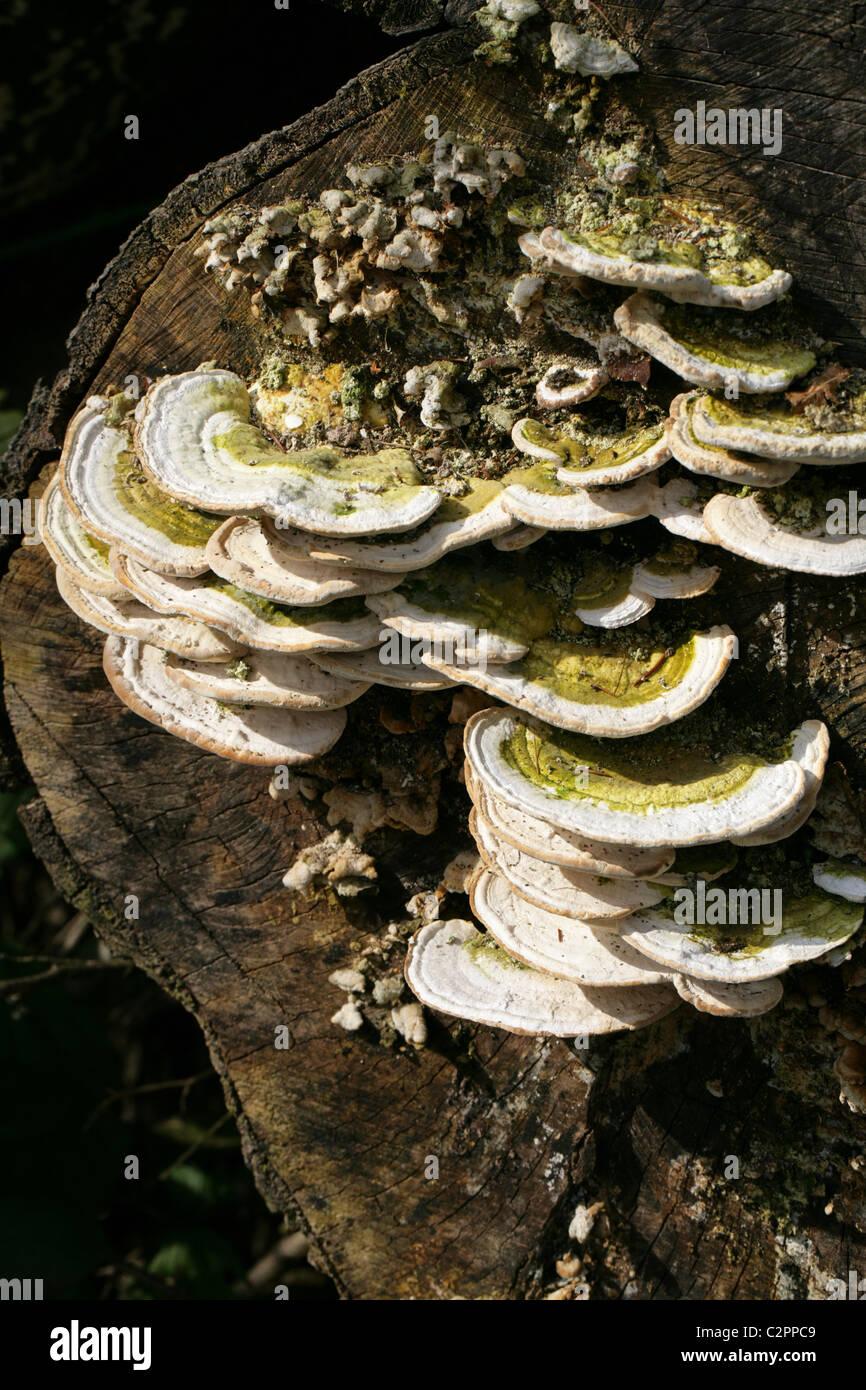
<point x="96" y="1064"/>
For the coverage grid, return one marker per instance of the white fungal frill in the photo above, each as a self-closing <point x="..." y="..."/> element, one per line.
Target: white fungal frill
<point x="127" y="617"/>
<point x="732" y="467"/>
<point x="567" y="892"/>
<point x="267" y="737"/>
<point x="743" y="525"/>
<point x="266" y="678"/>
<point x="453" y="968"/>
<point x="195" y="439"/>
<point x="249" y="618"/>
<point x="653" y="794"/>
<point x="740" y="954"/>
<point x="558" y="945"/>
<point x="251" y="555"/>
<point x="103" y="482"/>
<point x="83" y="557"/>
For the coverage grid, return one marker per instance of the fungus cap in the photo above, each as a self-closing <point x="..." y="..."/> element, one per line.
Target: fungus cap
<point x="841" y="879"/>
<point x="455" y="970"/>
<point x="266" y="678"/>
<point x="747" y="1000"/>
<point x="717" y="362"/>
<point x="810" y="747"/>
<point x="195" y="439"/>
<point x="625" y="797"/>
<point x="557" y="945"/>
<point x="557" y="846"/>
<point x="772" y="429"/>
<point x="559" y="684"/>
<point x="811" y="927"/>
<point x="520" y="537"/>
<point x="104" y="485"/>
<point x="250" y="554"/>
<point x="716" y="462"/>
<point x="553" y="888"/>
<point x="567" y="384"/>
<point x="561" y="507"/>
<point x="248" y="618"/>
<point x="371" y="667"/>
<point x="584" y="255"/>
<point x="479" y="515"/>
<point x="129" y="618"/>
<point x="266" y="737"/>
<point x="679" y="506"/>
<point x="630" y="455"/>
<point x="743" y="526"/>
<point x="82" y="556"/>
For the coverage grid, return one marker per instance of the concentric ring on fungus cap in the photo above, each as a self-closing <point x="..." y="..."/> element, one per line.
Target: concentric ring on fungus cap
<point x="264" y="736"/>
<point x="455" y="970"/>
<point x="195" y="439"/>
<point x="738" y="794"/>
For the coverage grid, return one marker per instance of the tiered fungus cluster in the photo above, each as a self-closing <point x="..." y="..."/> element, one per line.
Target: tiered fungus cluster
<point x="468" y="420"/>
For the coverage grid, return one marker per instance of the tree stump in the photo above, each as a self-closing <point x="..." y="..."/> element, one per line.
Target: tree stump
<point x="338" y="1130"/>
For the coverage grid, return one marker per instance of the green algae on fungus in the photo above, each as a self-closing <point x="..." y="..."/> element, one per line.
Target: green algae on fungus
<point x="734" y="951"/>
<point x="762" y="351"/>
<point x="818" y="431"/>
<point x="660" y="242"/>
<point x="195" y="441"/>
<point x="111" y="496"/>
<point x="581" y="685"/>
<point x="673" y="787"/>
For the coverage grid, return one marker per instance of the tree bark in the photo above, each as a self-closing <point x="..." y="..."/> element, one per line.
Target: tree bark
<point x="339" y="1130"/>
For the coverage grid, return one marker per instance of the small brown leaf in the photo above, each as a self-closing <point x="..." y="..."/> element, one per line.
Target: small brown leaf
<point x="822" y="389"/>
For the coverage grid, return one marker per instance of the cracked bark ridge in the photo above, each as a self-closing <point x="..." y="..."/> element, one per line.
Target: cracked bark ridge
<point x="340" y="1130"/>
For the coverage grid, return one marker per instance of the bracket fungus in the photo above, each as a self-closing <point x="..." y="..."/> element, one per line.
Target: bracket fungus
<point x="547" y="941"/>
<point x="787" y="529"/>
<point x="128" y="618"/>
<point x="683" y="251"/>
<point x="103" y="482"/>
<point x="251" y="555"/>
<point x="591" y="458"/>
<point x="455" y="969"/>
<point x="195" y="440"/>
<point x="81" y="556"/>
<point x="815" y="431"/>
<point x="376" y="666"/>
<point x="264" y="736"/>
<point x="343" y="625"/>
<point x="659" y="791"/>
<point x="266" y="678"/>
<point x="566" y="892"/>
<point x="811" y="926"/>
<point x="713" y="348"/>
<point x="446" y="372"/>
<point x="585" y="687"/>
<point x="745" y="469"/>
